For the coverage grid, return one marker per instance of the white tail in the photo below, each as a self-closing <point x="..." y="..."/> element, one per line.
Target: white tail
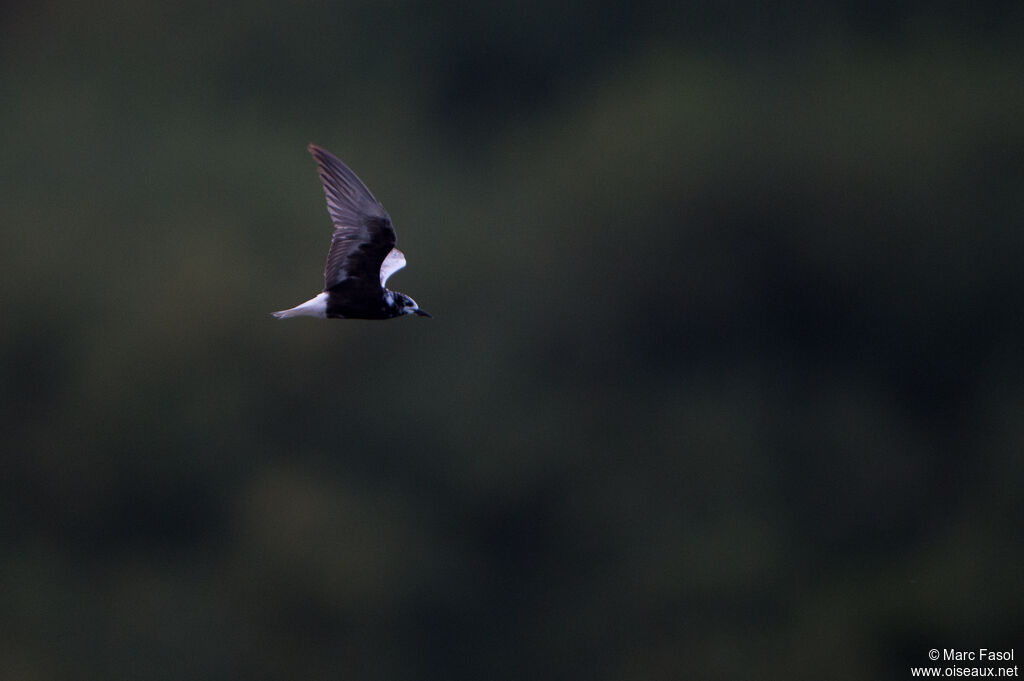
<point x="314" y="307"/>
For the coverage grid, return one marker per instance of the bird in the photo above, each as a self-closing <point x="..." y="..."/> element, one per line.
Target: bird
<point x="362" y="254"/>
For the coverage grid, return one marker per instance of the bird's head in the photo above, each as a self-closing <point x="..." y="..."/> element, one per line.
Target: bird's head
<point x="407" y="305"/>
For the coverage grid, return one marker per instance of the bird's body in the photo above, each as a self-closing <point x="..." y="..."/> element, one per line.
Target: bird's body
<point x="362" y="255"/>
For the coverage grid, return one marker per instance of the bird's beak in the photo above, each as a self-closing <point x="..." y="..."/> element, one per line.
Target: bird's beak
<point x="422" y="313"/>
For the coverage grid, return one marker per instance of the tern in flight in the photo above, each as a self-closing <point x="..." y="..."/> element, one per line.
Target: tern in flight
<point x="362" y="255"/>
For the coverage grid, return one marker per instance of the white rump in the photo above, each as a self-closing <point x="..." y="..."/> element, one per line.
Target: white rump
<point x="314" y="307"/>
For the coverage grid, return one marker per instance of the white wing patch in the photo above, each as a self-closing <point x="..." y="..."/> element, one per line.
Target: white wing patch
<point x="393" y="262"/>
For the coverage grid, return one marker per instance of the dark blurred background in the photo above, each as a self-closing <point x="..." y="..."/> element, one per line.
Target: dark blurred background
<point x="725" y="379"/>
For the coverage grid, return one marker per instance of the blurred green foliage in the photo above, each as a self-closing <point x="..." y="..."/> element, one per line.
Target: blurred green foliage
<point x="725" y="376"/>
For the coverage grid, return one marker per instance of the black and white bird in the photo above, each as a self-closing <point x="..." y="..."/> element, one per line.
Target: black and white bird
<point x="362" y="255"/>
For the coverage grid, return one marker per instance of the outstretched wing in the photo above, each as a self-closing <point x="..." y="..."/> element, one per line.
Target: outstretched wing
<point x="363" y="235"/>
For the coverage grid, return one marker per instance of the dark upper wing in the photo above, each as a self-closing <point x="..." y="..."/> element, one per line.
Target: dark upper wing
<point x="363" y="235"/>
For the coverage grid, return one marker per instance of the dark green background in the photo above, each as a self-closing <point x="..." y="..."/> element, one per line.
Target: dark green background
<point x="725" y="379"/>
